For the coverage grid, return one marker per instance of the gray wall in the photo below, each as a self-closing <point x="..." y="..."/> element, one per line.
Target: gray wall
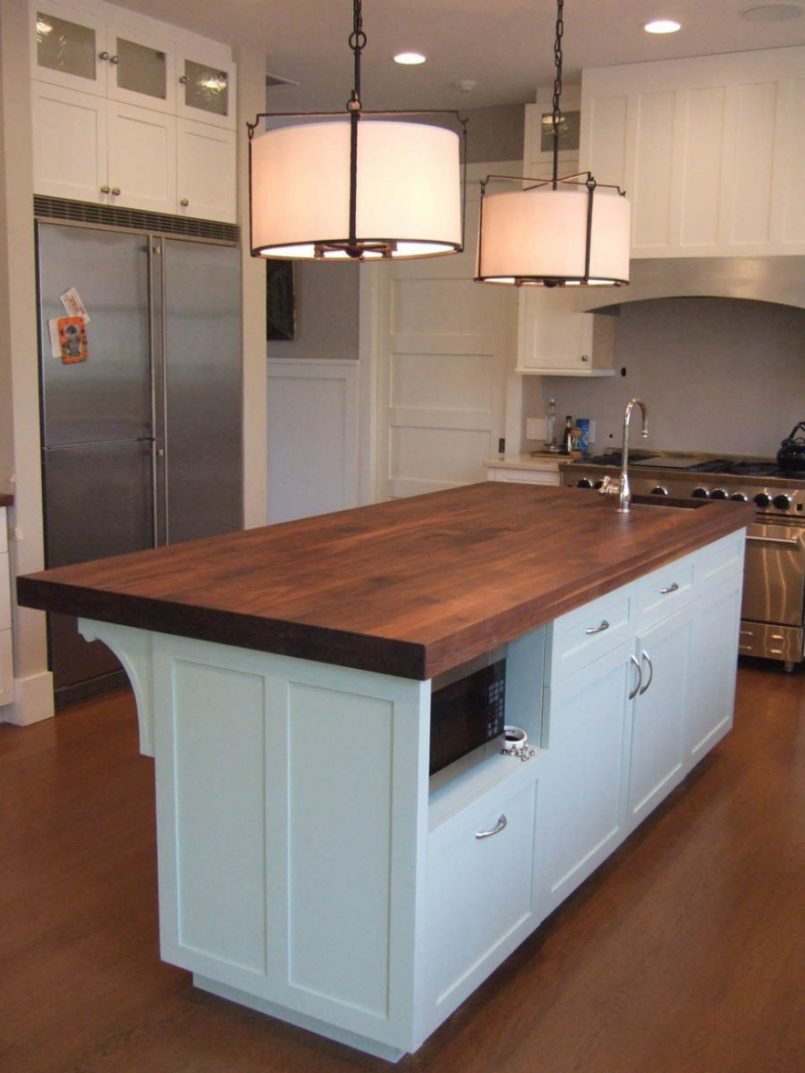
<point x="326" y="313"/>
<point x="717" y="375"/>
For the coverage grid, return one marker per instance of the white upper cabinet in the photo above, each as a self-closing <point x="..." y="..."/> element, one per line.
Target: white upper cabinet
<point x="131" y="112"/>
<point x="710" y="150"/>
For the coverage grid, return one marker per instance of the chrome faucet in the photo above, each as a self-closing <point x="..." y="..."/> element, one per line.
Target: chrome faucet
<point x="622" y="490"/>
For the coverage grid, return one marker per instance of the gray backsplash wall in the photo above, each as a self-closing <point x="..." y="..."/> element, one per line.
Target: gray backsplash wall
<point x="717" y="375"/>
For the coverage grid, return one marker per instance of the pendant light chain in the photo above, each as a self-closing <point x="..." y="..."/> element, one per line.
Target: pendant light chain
<point x="557" y="86"/>
<point x="357" y="42"/>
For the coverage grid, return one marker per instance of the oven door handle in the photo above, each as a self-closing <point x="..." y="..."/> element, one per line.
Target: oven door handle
<point x="773" y="540"/>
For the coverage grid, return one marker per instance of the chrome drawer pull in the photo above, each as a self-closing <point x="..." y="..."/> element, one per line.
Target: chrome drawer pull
<point x="499" y="826"/>
<point x="633" y="659"/>
<point x="671" y="588"/>
<point x="598" y="629"/>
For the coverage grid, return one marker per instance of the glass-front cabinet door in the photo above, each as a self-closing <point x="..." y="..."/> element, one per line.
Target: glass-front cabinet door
<point x="67" y="48"/>
<point x="206" y="90"/>
<point x="91" y="55"/>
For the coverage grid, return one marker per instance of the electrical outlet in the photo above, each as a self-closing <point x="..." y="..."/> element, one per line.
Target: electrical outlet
<point x="536" y="428"/>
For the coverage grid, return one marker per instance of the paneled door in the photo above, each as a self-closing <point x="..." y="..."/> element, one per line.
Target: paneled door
<point x="444" y="347"/>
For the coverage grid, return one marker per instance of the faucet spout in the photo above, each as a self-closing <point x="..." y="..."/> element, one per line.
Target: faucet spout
<point x="624" y="490"/>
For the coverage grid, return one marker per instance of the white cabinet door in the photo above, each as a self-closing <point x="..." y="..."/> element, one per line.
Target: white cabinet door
<point x="142" y="68"/>
<point x="66" y="47"/>
<point x="69" y="143"/>
<point x="555" y="339"/>
<point x="206" y="180"/>
<point x="657" y="751"/>
<point x="713" y="669"/>
<point x="206" y="88"/>
<point x="583" y="815"/>
<point x="142" y="161"/>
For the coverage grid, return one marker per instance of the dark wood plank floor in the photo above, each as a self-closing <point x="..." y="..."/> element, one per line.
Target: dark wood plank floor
<point x="685" y="953"/>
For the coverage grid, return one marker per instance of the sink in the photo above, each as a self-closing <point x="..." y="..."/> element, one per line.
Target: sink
<point x="668" y="501"/>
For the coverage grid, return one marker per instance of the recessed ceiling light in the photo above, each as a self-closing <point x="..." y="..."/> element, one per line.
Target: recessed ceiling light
<point x="409" y="59"/>
<point x="773" y="13"/>
<point x="662" y="26"/>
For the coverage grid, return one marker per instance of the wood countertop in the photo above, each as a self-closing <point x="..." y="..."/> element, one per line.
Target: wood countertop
<point x="409" y="588"/>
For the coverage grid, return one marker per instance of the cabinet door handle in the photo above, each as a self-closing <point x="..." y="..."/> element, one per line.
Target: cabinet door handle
<point x="183" y="80"/>
<point x="645" y="656"/>
<point x="114" y="59"/>
<point x="103" y="55"/>
<point x="116" y="190"/>
<point x="106" y="190"/>
<point x="604" y="625"/>
<point x="633" y="659"/>
<point x="499" y="826"/>
<point x="184" y="202"/>
<point x="670" y="588"/>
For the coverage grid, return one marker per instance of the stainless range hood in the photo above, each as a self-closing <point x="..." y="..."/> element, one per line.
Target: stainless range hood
<point x="758" y="279"/>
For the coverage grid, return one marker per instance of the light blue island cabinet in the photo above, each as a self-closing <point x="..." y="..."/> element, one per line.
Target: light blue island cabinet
<point x="310" y="866"/>
<point x="311" y="869"/>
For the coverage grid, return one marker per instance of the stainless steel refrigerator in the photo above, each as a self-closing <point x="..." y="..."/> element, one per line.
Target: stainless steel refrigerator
<point x="141" y="437"/>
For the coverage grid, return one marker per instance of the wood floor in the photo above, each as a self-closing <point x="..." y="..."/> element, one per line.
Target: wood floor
<point x="685" y="953"/>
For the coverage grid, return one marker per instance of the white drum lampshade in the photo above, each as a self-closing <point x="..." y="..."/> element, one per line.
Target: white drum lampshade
<point x="555" y="236"/>
<point x="408" y="190"/>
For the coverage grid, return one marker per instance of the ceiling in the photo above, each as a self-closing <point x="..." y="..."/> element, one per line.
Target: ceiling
<point x="504" y="46"/>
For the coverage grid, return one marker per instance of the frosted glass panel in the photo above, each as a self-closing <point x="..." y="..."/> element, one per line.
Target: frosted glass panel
<point x="141" y="69"/>
<point x="206" y="88"/>
<point x="65" y="46"/>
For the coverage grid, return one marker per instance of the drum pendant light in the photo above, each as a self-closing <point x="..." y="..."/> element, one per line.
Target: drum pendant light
<point x="554" y="232"/>
<point x="357" y="184"/>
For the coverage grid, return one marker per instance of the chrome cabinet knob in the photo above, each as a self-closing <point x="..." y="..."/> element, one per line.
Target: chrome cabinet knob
<point x="183" y="80"/>
<point x="585" y="357"/>
<point x="116" y="191"/>
<point x="103" y="55"/>
<point x="114" y="59"/>
<point x="184" y="202"/>
<point x="106" y="190"/>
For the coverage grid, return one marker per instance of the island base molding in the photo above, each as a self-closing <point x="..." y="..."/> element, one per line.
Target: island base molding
<point x="300" y="1020"/>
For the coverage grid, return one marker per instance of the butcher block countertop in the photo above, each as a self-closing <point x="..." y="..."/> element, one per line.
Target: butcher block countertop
<point x="408" y="588"/>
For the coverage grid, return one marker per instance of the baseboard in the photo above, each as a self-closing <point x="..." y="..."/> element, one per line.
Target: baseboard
<point x="33" y="700"/>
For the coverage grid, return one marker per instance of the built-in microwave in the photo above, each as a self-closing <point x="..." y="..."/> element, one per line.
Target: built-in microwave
<point x="467" y="709"/>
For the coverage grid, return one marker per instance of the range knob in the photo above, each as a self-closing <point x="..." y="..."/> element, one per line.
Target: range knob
<point x="659" y="491"/>
<point x="700" y="493"/>
<point x="762" y="500"/>
<point x="739" y="497"/>
<point x="718" y="493"/>
<point x="598" y="484"/>
<point x="782" y="502"/>
<point x="584" y="482"/>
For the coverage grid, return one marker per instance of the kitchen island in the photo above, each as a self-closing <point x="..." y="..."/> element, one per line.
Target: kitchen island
<point x="309" y="867"/>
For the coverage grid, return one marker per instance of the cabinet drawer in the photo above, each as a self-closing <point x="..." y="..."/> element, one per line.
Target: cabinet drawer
<point x="661" y="592"/>
<point x="583" y="635"/>
<point x="6" y="668"/>
<point x="480" y="890"/>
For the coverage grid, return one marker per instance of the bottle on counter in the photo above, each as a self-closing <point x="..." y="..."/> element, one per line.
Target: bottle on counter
<point x="567" y="436"/>
<point x="550" y="429"/>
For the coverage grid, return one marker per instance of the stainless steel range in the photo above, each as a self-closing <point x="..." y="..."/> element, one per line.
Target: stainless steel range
<point x="772" y="613"/>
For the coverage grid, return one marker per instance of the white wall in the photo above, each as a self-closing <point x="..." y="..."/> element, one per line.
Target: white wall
<point x="717" y="375"/>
